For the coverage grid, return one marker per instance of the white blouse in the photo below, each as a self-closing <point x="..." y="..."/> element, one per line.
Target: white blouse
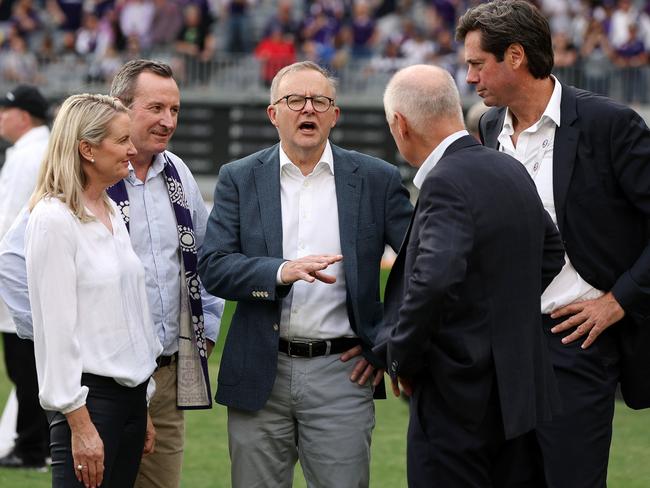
<point x="89" y="305"/>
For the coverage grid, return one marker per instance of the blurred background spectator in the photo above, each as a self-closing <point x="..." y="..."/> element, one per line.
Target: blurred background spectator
<point x="631" y="57"/>
<point x="596" y="54"/>
<point x="19" y="65"/>
<point x="275" y="51"/>
<point x="361" y="31"/>
<point x="195" y="45"/>
<point x="167" y="22"/>
<point x="136" y="17"/>
<point x="601" y="45"/>
<point x="236" y="15"/>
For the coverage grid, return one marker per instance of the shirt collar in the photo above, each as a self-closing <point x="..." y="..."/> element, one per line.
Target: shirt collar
<point x="552" y="111"/>
<point x="435" y="156"/>
<point x="157" y="166"/>
<point x="327" y="158"/>
<point x="32" y="135"/>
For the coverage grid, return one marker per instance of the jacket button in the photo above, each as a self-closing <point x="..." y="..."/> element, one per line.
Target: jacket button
<point x="275" y="327"/>
<point x="266" y="294"/>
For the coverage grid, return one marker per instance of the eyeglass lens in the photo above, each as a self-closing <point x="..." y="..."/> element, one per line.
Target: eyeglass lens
<point x="298" y="102"/>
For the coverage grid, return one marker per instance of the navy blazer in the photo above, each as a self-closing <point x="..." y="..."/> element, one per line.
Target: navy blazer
<point x="242" y="252"/>
<point x="462" y="300"/>
<point x="601" y="189"/>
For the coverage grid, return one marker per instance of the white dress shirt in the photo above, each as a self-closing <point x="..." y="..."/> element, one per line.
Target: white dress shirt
<point x="147" y="239"/>
<point x="155" y="240"/>
<point x="89" y="305"/>
<point x="535" y="151"/>
<point x="435" y="156"/>
<point x="310" y="225"/>
<point x="17" y="181"/>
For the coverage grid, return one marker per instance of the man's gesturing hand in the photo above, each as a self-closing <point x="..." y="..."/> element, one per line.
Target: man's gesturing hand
<point x="309" y="268"/>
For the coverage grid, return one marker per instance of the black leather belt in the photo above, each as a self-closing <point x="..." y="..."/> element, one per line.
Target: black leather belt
<point x="163" y="361"/>
<point x="310" y="349"/>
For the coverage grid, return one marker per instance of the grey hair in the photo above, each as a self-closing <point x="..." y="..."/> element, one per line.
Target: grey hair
<point x="300" y="66"/>
<point x="123" y="85"/>
<point x="422" y="103"/>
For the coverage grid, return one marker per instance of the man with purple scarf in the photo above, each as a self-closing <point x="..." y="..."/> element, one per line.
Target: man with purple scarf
<point x="162" y="207"/>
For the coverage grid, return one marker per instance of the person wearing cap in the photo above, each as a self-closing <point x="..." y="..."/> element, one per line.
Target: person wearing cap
<point x="23" y="114"/>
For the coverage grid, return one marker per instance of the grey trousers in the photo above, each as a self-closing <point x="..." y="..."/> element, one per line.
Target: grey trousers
<point x="315" y="414"/>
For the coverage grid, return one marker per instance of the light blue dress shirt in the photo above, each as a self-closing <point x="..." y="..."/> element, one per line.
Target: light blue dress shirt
<point x="13" y="276"/>
<point x="155" y="240"/>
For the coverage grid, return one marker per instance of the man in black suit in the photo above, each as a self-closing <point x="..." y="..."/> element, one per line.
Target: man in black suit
<point x="462" y="333"/>
<point x="590" y="160"/>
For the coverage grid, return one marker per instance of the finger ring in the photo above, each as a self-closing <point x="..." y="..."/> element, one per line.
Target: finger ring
<point x="80" y="467"/>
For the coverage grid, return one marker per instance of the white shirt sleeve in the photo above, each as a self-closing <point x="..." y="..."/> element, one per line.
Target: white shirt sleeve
<point x="50" y="248"/>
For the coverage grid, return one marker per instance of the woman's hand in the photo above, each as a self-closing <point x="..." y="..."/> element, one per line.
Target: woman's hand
<point x="149" y="437"/>
<point x="87" y="448"/>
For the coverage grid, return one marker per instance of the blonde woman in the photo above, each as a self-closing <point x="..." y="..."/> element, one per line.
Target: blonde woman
<point x="94" y="342"/>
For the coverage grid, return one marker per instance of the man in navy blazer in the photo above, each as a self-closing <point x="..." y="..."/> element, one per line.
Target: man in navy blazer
<point x="590" y="159"/>
<point x="296" y="236"/>
<point x="462" y="330"/>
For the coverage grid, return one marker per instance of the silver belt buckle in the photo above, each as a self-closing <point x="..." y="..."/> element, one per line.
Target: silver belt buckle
<point x="297" y="342"/>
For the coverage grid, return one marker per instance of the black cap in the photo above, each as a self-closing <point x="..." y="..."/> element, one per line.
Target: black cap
<point x="27" y="98"/>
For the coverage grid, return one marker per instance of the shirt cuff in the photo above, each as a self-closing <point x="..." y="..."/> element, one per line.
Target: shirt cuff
<point x="78" y="402"/>
<point x="151" y="390"/>
<point x="278" y="276"/>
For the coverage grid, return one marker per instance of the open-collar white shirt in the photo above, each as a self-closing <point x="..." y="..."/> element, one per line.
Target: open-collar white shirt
<point x="310" y="225"/>
<point x="535" y="151"/>
<point x="89" y="305"/>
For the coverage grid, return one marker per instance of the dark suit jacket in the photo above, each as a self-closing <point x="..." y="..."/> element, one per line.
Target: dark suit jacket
<point x="242" y="252"/>
<point x="601" y="187"/>
<point x="463" y="297"/>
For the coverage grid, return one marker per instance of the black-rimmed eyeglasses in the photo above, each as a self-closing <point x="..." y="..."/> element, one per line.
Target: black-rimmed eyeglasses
<point x="321" y="103"/>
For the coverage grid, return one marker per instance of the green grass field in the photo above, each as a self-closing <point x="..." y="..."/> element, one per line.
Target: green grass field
<point x="207" y="464"/>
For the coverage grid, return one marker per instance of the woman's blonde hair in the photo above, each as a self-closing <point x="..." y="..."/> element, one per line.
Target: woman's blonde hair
<point x="84" y="117"/>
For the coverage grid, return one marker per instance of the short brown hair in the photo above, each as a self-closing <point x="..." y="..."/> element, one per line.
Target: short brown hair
<point x="123" y="85"/>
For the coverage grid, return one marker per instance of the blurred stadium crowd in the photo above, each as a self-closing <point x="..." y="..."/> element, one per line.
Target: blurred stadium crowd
<point x="601" y="45"/>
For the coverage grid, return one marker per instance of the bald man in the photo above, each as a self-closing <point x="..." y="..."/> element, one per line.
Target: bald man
<point x="462" y="333"/>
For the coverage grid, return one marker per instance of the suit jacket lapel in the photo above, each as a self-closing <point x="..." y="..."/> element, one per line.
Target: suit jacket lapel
<point x="564" y="152"/>
<point x="267" y="183"/>
<point x="493" y="125"/>
<point x="348" y="193"/>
